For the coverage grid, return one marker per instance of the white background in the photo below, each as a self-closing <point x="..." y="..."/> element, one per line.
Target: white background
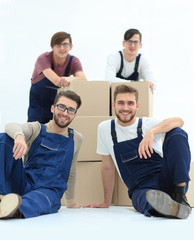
<point x="97" y="28"/>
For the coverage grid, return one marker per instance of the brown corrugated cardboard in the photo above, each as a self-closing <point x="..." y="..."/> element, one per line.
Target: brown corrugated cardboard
<point x="145" y="97"/>
<point x="88" y="127"/>
<point x="95" y="96"/>
<point x="89" y="188"/>
<point x="190" y="194"/>
<point x="120" y="196"/>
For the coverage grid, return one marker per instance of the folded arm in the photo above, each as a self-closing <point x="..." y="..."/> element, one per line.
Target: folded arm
<point x="145" y="146"/>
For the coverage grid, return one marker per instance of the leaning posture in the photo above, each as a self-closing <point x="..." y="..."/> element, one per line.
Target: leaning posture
<point x="50" y="154"/>
<point x="155" y="173"/>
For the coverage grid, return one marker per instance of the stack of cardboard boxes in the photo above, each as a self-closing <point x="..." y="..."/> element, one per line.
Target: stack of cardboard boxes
<point x="96" y="107"/>
<point x="95" y="96"/>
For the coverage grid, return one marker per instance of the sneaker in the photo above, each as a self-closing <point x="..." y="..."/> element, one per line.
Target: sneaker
<point x="166" y="206"/>
<point x="179" y="196"/>
<point x="9" y="205"/>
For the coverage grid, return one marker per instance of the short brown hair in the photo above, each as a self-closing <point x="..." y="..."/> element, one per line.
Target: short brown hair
<point x="130" y="32"/>
<point x="125" y="89"/>
<point x="59" y="37"/>
<point x="68" y="94"/>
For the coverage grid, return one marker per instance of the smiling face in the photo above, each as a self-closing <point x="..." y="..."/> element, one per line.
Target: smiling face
<point x="125" y="106"/>
<point x="60" y="51"/>
<point x="132" y="45"/>
<point x="61" y="119"/>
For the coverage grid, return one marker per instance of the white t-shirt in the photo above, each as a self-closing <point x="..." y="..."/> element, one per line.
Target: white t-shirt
<point x="114" y="63"/>
<point x="105" y="143"/>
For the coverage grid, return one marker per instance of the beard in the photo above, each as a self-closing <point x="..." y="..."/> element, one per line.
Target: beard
<point x="125" y="120"/>
<point x="59" y="124"/>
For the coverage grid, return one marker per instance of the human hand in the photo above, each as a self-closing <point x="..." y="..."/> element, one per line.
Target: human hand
<point x="97" y="205"/>
<point x="75" y="205"/>
<point x="145" y="146"/>
<point x="20" y="147"/>
<point x="151" y="85"/>
<point x="65" y="81"/>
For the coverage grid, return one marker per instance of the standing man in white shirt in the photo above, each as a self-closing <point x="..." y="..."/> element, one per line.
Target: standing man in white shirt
<point x="156" y="175"/>
<point x="128" y="64"/>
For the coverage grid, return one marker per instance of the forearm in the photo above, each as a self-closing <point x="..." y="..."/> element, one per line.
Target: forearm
<point x="108" y="177"/>
<point x="29" y="130"/>
<point x="79" y="76"/>
<point x="145" y="147"/>
<point x="13" y="129"/>
<point x="52" y="76"/>
<point x="65" y="81"/>
<point x="167" y="125"/>
<point x="111" y="76"/>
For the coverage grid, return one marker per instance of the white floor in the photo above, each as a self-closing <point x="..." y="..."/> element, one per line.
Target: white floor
<point x="113" y="223"/>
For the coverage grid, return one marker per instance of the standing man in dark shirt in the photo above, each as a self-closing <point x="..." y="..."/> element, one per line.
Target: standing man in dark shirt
<point x="52" y="70"/>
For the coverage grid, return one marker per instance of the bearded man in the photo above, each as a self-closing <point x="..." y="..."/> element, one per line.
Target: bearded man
<point x="38" y="162"/>
<point x="151" y="156"/>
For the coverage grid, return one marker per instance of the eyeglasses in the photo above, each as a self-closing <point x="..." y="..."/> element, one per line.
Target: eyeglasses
<point x="63" y="108"/>
<point x="130" y="42"/>
<point x="65" y="45"/>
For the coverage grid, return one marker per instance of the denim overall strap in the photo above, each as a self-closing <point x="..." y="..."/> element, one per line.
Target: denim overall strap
<point x="135" y="75"/>
<point x="66" y="73"/>
<point x="68" y="66"/>
<point x="139" y="128"/>
<point x="43" y="130"/>
<point x="137" y="62"/>
<point x="113" y="132"/>
<point x="71" y="133"/>
<point x="121" y="66"/>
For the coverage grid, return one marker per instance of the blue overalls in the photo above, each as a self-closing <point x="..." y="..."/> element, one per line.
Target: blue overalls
<point x="135" y="75"/>
<point x="155" y="172"/>
<point x="42" y="95"/>
<point x="43" y="180"/>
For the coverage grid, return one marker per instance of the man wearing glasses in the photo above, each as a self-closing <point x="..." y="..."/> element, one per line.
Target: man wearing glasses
<point x="50" y="154"/>
<point x="128" y="65"/>
<point x="52" y="70"/>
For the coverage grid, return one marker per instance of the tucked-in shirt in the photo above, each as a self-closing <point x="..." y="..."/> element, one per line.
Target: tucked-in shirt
<point x="114" y="63"/>
<point x="31" y="130"/>
<point x="105" y="143"/>
<point x="45" y="61"/>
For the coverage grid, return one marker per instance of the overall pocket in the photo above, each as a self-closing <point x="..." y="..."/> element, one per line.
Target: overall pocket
<point x="129" y="160"/>
<point x="129" y="156"/>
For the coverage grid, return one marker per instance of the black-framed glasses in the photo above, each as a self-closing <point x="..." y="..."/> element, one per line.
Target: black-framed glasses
<point x="65" y="45"/>
<point x="63" y="108"/>
<point x="130" y="42"/>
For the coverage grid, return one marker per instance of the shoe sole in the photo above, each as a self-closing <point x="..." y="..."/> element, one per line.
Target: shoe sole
<point x="165" y="205"/>
<point x="9" y="205"/>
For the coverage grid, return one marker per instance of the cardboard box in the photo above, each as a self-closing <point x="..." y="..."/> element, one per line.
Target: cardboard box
<point x="145" y="97"/>
<point x="89" y="188"/>
<point x="190" y="193"/>
<point x="120" y="195"/>
<point x="88" y="127"/>
<point x="95" y="96"/>
<point x="121" y="192"/>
